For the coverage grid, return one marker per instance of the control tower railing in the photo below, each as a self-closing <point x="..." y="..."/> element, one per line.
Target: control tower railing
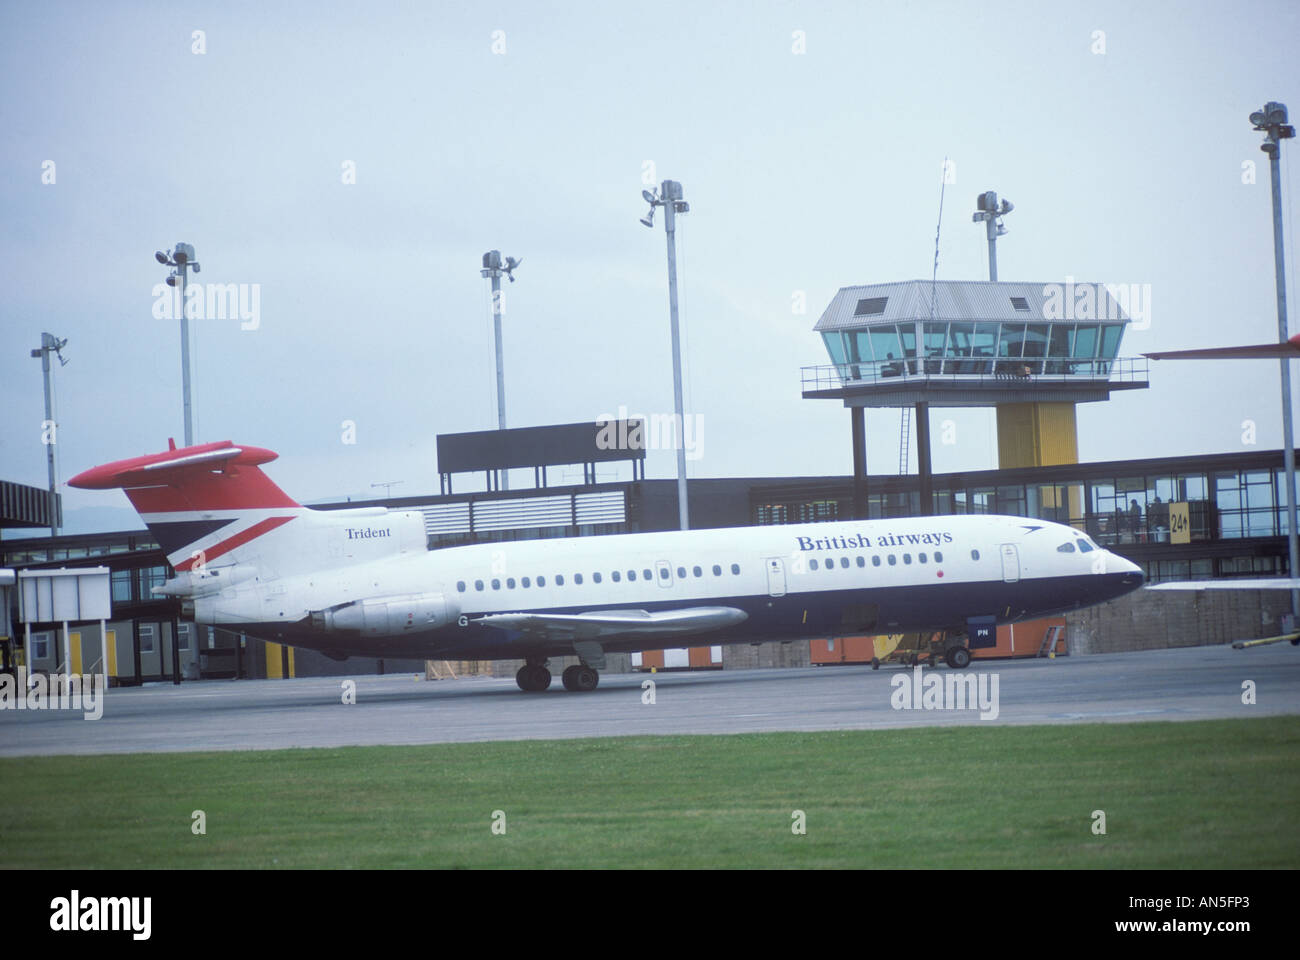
<point x="993" y="371"/>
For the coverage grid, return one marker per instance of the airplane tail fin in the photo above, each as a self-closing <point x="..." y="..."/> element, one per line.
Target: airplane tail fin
<point x="200" y="502"/>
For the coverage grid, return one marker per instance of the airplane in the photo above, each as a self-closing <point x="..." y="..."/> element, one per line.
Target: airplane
<point x="362" y="581"/>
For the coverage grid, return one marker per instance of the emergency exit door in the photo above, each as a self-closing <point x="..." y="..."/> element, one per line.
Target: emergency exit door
<point x="775" y="577"/>
<point x="1010" y="563"/>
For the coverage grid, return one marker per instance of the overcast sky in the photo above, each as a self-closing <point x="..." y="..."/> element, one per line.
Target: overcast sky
<point x="809" y="138"/>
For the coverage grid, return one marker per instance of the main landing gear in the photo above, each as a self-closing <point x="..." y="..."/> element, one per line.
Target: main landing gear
<point x="534" y="677"/>
<point x="581" y="678"/>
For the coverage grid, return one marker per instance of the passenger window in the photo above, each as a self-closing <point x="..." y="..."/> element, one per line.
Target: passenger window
<point x="1065" y="548"/>
<point x="717" y="570"/>
<point x="617" y="576"/>
<point x="938" y="557"/>
<point x="496" y="584"/>
<point x="559" y="579"/>
<point x="526" y="582"/>
<point x="812" y="564"/>
<point x="830" y="562"/>
<point x="974" y="554"/>
<point x="577" y="578"/>
<point x="681" y="573"/>
<point x="478" y="584"/>
<point x="920" y="557"/>
<point x="541" y="581"/>
<point x="907" y="558"/>
<point x="735" y="568"/>
<point x="595" y="578"/>
<point x="893" y="560"/>
<point x="862" y="561"/>
<point x="663" y="573"/>
<point x="844" y="562"/>
<point x="460" y="585"/>
<point x="698" y="572"/>
<point x="875" y="560"/>
<point x="510" y="582"/>
<point x="646" y="574"/>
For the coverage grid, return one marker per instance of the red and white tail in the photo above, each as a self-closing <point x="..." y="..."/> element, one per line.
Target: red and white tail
<point x="201" y="503"/>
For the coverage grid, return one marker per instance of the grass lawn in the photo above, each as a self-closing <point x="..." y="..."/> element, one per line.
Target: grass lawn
<point x="1212" y="794"/>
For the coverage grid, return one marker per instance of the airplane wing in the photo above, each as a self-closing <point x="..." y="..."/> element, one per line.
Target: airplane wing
<point x="1262" y="583"/>
<point x="616" y="623"/>
<point x="1257" y="351"/>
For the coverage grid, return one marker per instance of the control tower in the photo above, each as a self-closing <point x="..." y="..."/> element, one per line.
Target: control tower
<point x="1032" y="350"/>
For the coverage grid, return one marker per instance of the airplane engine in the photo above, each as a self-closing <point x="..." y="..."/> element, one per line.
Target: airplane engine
<point x="389" y="616"/>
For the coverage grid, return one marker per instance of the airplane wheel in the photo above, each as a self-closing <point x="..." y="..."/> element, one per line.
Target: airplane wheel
<point x="533" y="679"/>
<point x="569" y="678"/>
<point x="958" y="658"/>
<point x="585" y="679"/>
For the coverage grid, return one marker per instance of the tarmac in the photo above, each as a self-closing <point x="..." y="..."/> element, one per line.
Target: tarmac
<point x="1191" y="683"/>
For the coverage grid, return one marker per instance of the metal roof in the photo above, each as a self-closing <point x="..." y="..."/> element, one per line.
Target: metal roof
<point x="909" y="300"/>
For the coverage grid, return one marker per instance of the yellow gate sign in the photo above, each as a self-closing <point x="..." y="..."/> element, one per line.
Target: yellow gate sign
<point x="1180" y="527"/>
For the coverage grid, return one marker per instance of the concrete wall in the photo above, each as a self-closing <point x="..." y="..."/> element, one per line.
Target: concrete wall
<point x="1159" y="619"/>
<point x="772" y="653"/>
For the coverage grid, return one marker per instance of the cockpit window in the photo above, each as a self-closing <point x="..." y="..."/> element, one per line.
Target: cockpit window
<point x="1085" y="545"/>
<point x="1065" y="548"/>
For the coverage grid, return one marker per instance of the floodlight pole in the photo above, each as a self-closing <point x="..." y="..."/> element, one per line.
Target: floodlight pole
<point x="669" y="196"/>
<point x="181" y="259"/>
<point x="672" y="193"/>
<point x="1273" y="120"/>
<point x="185" y="360"/>
<point x="50" y="344"/>
<point x="493" y="269"/>
<point x="991" y="231"/>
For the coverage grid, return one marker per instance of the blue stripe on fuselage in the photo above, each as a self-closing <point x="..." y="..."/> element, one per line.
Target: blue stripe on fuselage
<point x="796" y="615"/>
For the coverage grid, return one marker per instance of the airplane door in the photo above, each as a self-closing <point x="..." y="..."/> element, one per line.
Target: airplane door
<point x="664" y="573"/>
<point x="775" y="577"/>
<point x="1010" y="563"/>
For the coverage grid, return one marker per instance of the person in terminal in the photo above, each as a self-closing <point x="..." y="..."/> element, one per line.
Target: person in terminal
<point x="891" y="369"/>
<point x="1158" y="518"/>
<point x="1134" y="518"/>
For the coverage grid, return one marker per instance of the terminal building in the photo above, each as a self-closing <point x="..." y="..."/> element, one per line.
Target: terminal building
<point x="1031" y="351"/>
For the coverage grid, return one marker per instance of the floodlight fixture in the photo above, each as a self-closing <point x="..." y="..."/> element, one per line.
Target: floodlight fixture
<point x="991" y="211"/>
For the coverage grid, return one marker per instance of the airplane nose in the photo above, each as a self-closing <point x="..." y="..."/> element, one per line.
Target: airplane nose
<point x="1131" y="574"/>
